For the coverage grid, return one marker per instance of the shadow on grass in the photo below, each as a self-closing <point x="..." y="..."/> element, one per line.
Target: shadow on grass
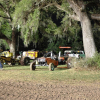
<point x="62" y="68"/>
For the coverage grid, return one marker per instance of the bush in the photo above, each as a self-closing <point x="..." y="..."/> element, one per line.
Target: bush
<point x="95" y="61"/>
<point x="89" y="62"/>
<point x="80" y="63"/>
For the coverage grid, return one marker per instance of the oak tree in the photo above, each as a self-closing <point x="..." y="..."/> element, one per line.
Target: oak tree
<point x="7" y="8"/>
<point x="28" y="15"/>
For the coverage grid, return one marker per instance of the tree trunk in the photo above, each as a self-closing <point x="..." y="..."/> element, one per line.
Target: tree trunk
<point x="12" y="48"/>
<point x="88" y="39"/>
<point x="12" y="43"/>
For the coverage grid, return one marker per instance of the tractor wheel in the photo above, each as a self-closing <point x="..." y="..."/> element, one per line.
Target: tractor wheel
<point x="33" y="65"/>
<point x="12" y="61"/>
<point x="51" y="67"/>
<point x="26" y="60"/>
<point x="22" y="61"/>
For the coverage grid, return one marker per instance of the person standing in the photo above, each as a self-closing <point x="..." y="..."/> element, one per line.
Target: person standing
<point x="1" y="66"/>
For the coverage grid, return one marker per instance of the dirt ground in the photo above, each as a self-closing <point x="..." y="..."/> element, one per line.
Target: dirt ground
<point x="12" y="90"/>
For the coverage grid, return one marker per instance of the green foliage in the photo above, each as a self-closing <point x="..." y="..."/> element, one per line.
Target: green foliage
<point x="92" y="6"/>
<point x="56" y="42"/>
<point x="7" y="8"/>
<point x="66" y="7"/>
<point x="6" y="29"/>
<point x="28" y="19"/>
<point x="51" y="27"/>
<point x="31" y="26"/>
<point x="72" y="30"/>
<point x="32" y="18"/>
<point x="96" y="33"/>
<point x="37" y="23"/>
<point x="59" y="32"/>
<point x="95" y="61"/>
<point x="4" y="44"/>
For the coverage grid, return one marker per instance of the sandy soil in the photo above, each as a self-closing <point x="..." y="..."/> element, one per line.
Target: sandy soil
<point x="12" y="90"/>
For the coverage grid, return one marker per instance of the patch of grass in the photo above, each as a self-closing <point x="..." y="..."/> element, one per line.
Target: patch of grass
<point x="23" y="73"/>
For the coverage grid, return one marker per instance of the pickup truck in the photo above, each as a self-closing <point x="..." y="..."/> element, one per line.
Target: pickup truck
<point x="76" y="54"/>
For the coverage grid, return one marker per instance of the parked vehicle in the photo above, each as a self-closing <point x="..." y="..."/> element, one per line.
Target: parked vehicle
<point x="49" y="59"/>
<point x="81" y="54"/>
<point x="52" y="60"/>
<point x="26" y="56"/>
<point x="62" y="58"/>
<point x="7" y="57"/>
<point x="76" y="54"/>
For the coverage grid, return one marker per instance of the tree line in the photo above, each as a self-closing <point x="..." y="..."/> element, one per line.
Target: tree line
<point x="51" y="21"/>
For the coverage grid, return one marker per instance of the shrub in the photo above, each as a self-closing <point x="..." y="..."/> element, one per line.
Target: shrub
<point x="89" y="62"/>
<point x="80" y="63"/>
<point x="96" y="60"/>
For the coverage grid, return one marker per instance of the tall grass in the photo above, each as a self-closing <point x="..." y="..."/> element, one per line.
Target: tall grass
<point x="89" y="62"/>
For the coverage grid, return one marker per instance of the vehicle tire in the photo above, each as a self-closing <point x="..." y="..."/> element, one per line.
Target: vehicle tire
<point x="26" y="60"/>
<point x="22" y="61"/>
<point x="12" y="61"/>
<point x="33" y="65"/>
<point x="51" y="67"/>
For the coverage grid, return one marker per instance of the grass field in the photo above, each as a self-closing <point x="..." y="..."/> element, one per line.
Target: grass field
<point x="23" y="73"/>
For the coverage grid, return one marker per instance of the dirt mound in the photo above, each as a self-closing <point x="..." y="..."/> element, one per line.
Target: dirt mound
<point x="11" y="90"/>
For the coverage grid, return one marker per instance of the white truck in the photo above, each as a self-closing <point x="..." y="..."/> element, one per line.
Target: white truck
<point x="76" y="54"/>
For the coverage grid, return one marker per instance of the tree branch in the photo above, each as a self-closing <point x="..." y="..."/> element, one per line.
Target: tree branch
<point x="75" y="17"/>
<point x="56" y="5"/>
<point x="9" y="17"/>
<point x="1" y="6"/>
<point x="95" y="16"/>
<point x="74" y="6"/>
<point x="4" y="17"/>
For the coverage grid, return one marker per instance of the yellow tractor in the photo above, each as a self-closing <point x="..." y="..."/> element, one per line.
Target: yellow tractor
<point x="7" y="57"/>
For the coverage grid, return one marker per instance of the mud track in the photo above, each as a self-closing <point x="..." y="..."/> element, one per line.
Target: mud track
<point x="12" y="90"/>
